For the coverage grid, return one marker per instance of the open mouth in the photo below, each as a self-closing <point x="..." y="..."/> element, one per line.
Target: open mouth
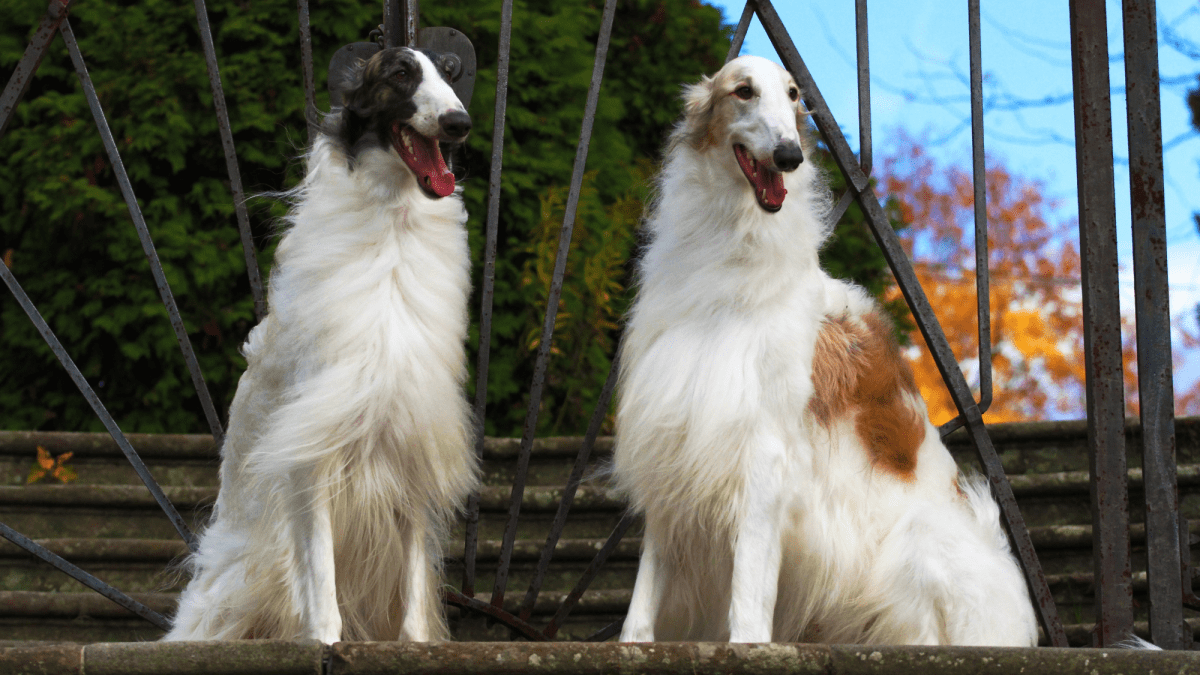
<point x="424" y="157"/>
<point x="767" y="183"/>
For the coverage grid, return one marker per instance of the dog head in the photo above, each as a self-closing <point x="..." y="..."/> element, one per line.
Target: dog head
<point x="750" y="109"/>
<point x="400" y="99"/>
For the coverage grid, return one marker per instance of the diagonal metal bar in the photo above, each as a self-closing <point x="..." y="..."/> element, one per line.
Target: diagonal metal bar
<point x="231" y="163"/>
<point x="466" y="602"/>
<point x="22" y="75"/>
<point x="917" y="301"/>
<point x="1101" y="321"/>
<point x="1156" y="393"/>
<point x="94" y="401"/>
<point x="572" y="599"/>
<point x="607" y="632"/>
<point x="573" y="481"/>
<point x="135" y="212"/>
<point x="306" y="65"/>
<point x="739" y="33"/>
<point x="84" y="578"/>
<point x="499" y="119"/>
<point x="560" y="266"/>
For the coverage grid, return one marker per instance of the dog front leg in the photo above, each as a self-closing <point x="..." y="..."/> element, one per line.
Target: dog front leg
<point x="419" y="586"/>
<point x="758" y="547"/>
<point x="312" y="539"/>
<point x="647" y="591"/>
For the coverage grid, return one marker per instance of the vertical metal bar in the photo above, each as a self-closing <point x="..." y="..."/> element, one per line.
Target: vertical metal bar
<point x="231" y="163"/>
<point x="306" y="64"/>
<point x="94" y="401"/>
<point x="935" y="338"/>
<point x="573" y="481"/>
<point x="499" y="119"/>
<point x="983" y="300"/>
<point x="83" y="577"/>
<point x="1156" y="393"/>
<point x="572" y="599"/>
<point x="412" y="20"/>
<point x="1101" y="321"/>
<point x="560" y="266"/>
<point x="18" y="84"/>
<point x="739" y="34"/>
<point x="393" y="23"/>
<point x="135" y="212"/>
<point x="862" y="43"/>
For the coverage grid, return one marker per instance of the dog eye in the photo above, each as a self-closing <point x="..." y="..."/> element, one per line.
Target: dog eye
<point x="793" y="93"/>
<point x="744" y="92"/>
<point x="402" y="74"/>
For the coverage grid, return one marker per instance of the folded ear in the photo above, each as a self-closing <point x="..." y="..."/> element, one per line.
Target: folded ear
<point x="698" y="103"/>
<point x="355" y="95"/>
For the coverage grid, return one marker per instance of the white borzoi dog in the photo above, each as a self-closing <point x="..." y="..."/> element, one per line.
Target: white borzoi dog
<point x="768" y="428"/>
<point x="348" y="448"/>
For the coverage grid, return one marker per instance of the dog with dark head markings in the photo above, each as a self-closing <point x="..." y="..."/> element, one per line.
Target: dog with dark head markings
<point x="768" y="428"/>
<point x="348" y="454"/>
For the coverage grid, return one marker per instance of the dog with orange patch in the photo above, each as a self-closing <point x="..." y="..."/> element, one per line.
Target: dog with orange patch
<point x="768" y="428"/>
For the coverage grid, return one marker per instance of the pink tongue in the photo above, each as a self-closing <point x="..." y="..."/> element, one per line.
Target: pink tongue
<point x="425" y="160"/>
<point x="767" y="184"/>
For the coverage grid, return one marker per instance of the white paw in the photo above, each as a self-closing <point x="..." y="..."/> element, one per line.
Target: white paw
<point x="637" y="633"/>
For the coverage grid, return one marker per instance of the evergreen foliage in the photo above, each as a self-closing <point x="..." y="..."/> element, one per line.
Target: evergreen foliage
<point x="67" y="235"/>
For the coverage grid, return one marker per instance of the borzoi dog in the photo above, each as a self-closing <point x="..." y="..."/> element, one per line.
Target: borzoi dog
<point x="768" y="428"/>
<point x="348" y="449"/>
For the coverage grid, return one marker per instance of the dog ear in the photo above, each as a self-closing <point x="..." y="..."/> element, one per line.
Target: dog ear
<point x="698" y="103"/>
<point x="356" y="96"/>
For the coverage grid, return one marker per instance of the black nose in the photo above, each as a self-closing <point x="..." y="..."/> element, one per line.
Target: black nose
<point x="788" y="156"/>
<point x="455" y="124"/>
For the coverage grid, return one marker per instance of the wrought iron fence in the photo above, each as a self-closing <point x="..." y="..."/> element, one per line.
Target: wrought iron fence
<point x="1169" y="576"/>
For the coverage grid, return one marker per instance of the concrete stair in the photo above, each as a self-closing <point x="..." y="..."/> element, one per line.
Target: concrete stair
<point x="107" y="523"/>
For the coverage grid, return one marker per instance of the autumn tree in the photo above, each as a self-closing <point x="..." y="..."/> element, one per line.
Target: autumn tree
<point x="1036" y="304"/>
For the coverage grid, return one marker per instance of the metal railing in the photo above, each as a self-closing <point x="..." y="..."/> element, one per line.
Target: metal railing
<point x="1169" y="578"/>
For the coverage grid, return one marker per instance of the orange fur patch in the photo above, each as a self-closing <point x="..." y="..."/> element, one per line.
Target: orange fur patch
<point x="858" y="369"/>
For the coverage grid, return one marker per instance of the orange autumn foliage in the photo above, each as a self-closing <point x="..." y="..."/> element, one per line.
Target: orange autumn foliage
<point x="1036" y="310"/>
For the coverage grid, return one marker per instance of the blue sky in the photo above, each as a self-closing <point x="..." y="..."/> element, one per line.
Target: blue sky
<point x="918" y="47"/>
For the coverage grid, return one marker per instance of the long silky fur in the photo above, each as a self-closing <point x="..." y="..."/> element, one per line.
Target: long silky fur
<point x="352" y="398"/>
<point x="717" y="359"/>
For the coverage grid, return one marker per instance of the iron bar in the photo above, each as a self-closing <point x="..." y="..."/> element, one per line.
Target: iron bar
<point x="135" y="212"/>
<point x="589" y="574"/>
<point x="983" y="300"/>
<point x="1156" y="394"/>
<point x="843" y="203"/>
<point x="231" y="162"/>
<point x="1101" y="321"/>
<point x="83" y="577"/>
<point x="573" y="481"/>
<point x="607" y="632"/>
<point x="499" y="119"/>
<point x="393" y="23"/>
<point x="926" y="321"/>
<point x="560" y="266"/>
<point x="467" y="602"/>
<point x="306" y="64"/>
<point x="94" y="401"/>
<point x="22" y="75"/>
<point x="865" y="153"/>
<point x="739" y="33"/>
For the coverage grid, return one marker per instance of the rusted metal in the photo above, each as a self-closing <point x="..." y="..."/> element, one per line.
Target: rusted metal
<point x="560" y="266"/>
<point x="393" y="23"/>
<point x="18" y="84"/>
<point x="581" y="586"/>
<point x="83" y="577"/>
<point x="499" y="119"/>
<point x="1156" y="394"/>
<point x="466" y="602"/>
<point x="231" y="163"/>
<point x="979" y="179"/>
<point x="311" y="114"/>
<point x="926" y="321"/>
<point x="739" y="33"/>
<point x="97" y="407"/>
<point x="1102" y="320"/>
<point x="573" y="481"/>
<point x="135" y="212"/>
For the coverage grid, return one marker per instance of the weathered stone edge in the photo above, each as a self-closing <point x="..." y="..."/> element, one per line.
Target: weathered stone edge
<point x="274" y="657"/>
